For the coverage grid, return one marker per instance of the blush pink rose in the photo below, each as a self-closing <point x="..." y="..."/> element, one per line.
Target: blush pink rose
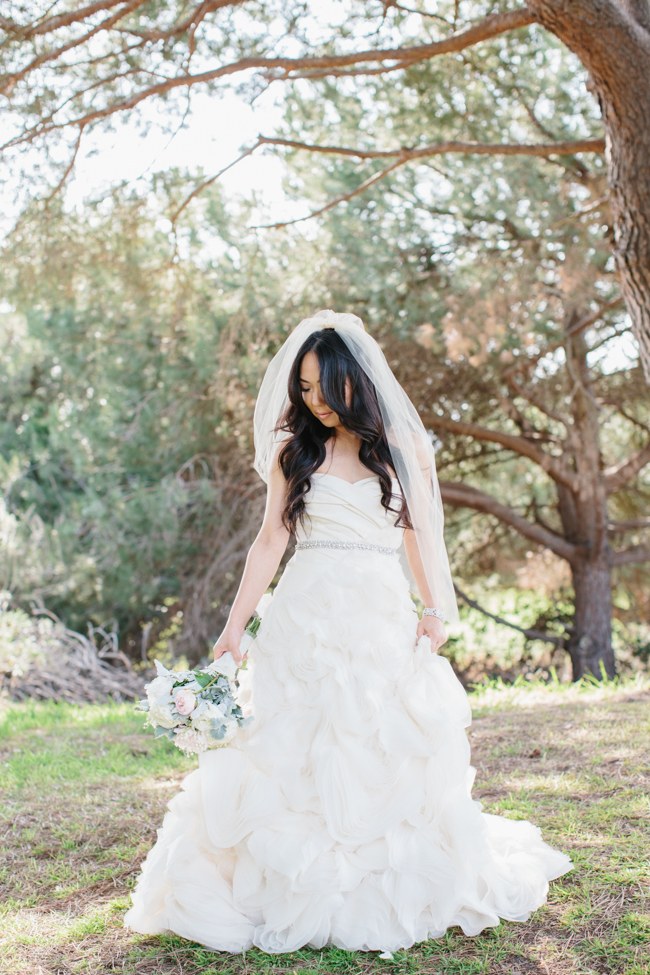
<point x="185" y="701"/>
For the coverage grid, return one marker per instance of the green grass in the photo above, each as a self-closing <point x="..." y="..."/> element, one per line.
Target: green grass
<point x="85" y="787"/>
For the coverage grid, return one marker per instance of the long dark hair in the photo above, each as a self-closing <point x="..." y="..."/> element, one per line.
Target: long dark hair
<point x="304" y="452"/>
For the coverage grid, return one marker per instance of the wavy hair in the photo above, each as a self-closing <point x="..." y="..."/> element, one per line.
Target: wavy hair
<point x="304" y="451"/>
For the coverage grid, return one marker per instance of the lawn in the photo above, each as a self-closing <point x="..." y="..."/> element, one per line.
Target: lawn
<point x="85" y="787"/>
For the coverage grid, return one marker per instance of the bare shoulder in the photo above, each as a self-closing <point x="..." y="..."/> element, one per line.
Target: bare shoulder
<point x="274" y="466"/>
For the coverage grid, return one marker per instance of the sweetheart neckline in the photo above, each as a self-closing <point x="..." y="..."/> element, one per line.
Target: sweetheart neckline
<point x="373" y="477"/>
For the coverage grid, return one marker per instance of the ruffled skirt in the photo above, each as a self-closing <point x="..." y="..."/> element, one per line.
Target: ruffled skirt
<point x="342" y="814"/>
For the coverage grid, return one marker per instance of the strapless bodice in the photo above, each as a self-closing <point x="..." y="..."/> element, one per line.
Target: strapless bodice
<point x="337" y="509"/>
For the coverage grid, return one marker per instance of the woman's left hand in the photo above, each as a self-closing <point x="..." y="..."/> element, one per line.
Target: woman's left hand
<point x="434" y="628"/>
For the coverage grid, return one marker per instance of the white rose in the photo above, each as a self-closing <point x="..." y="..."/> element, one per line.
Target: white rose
<point x="159" y="690"/>
<point x="204" y="715"/>
<point x="184" y="700"/>
<point x="191" y="741"/>
<point x="161" y="714"/>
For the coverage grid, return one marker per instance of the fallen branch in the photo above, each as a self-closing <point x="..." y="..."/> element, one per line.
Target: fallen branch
<point x="69" y="666"/>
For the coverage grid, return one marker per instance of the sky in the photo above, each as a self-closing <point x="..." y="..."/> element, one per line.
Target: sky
<point x="220" y="127"/>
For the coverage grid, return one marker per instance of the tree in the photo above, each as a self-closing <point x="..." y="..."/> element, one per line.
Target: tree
<point x="504" y="276"/>
<point x="66" y="72"/>
<point x="486" y="89"/>
<point x="576" y="525"/>
<point x="118" y="452"/>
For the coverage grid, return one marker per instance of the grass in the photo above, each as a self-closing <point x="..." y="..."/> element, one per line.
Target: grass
<point x="84" y="788"/>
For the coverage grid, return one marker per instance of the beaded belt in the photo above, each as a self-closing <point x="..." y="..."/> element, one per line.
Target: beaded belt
<point x="335" y="543"/>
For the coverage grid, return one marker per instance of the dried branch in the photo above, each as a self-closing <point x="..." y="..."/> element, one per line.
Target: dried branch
<point x="73" y="667"/>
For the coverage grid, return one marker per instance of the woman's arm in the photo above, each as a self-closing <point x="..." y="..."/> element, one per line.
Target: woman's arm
<point x="430" y="626"/>
<point x="415" y="563"/>
<point x="262" y="561"/>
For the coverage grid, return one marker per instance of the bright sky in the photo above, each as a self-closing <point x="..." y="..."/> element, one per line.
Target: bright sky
<point x="219" y="128"/>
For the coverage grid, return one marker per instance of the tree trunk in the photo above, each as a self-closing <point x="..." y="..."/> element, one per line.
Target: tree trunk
<point x="590" y="644"/>
<point x="612" y="39"/>
<point x="584" y="516"/>
<point x="582" y="486"/>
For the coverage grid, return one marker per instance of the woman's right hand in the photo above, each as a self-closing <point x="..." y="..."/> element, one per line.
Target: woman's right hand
<point x="230" y="640"/>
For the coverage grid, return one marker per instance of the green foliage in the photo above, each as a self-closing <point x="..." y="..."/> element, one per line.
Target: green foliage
<point x="136" y="333"/>
<point x="110" y="399"/>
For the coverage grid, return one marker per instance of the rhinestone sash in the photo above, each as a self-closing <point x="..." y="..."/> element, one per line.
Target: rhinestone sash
<point x="336" y="543"/>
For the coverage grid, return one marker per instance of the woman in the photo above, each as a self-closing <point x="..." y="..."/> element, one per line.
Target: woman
<point x="343" y="813"/>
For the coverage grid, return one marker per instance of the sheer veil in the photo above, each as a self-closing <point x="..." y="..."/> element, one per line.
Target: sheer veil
<point x="411" y="449"/>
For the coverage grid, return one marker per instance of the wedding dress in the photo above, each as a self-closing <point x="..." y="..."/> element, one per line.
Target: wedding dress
<point x="342" y="814"/>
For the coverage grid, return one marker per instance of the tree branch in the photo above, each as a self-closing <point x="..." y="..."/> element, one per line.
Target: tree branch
<point x="68" y="169"/>
<point x="592" y="29"/>
<point x="451" y="146"/>
<point x="208" y="182"/>
<point x="531" y="397"/>
<point x="375" y="178"/>
<point x="553" y="466"/>
<point x="530" y="634"/>
<point x="462" y="495"/>
<point x="577" y="326"/>
<point x="637" y="553"/>
<point x="628" y="526"/>
<point x="49" y="24"/>
<point x="10" y="80"/>
<point x="403" y="154"/>
<point x="620" y="475"/>
<point x="491" y="26"/>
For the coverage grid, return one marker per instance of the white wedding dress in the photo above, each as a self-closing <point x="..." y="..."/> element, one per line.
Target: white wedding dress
<point x="342" y="814"/>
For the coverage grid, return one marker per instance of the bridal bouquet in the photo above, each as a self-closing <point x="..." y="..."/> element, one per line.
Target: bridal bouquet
<point x="196" y="709"/>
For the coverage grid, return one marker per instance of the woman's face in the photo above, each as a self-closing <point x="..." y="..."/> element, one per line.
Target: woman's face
<point x="311" y="394"/>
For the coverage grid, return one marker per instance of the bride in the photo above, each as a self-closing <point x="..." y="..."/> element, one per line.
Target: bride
<point x="342" y="814"/>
